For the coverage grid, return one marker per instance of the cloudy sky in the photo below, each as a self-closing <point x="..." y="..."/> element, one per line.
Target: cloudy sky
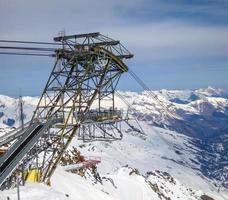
<point x="177" y="43"/>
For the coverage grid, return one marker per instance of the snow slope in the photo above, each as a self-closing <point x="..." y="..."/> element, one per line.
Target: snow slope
<point x="184" y="157"/>
<point x="126" y="184"/>
<point x="33" y="192"/>
<point x="161" y="150"/>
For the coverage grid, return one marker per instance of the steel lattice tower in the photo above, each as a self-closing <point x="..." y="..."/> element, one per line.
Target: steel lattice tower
<point x="87" y="69"/>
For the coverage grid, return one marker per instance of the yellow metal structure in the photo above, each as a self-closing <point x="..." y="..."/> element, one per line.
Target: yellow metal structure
<point x="107" y="117"/>
<point x="33" y="176"/>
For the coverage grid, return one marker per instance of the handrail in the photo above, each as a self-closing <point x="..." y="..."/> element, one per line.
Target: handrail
<point x="9" y="161"/>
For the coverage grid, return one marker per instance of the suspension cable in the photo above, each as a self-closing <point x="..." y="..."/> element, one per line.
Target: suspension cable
<point x="28" y="48"/>
<point x="29" y="42"/>
<point x="26" y="54"/>
<point x="131" y="108"/>
<point x="152" y="94"/>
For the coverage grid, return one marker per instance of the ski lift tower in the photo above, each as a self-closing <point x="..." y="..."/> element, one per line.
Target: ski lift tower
<point x="86" y="71"/>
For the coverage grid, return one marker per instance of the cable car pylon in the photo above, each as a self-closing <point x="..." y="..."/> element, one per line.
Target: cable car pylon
<point x="86" y="71"/>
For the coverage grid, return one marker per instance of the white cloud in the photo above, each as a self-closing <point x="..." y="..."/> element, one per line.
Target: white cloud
<point x="41" y="20"/>
<point x="174" y="40"/>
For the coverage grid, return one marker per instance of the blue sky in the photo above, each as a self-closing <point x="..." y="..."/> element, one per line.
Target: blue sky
<point x="177" y="44"/>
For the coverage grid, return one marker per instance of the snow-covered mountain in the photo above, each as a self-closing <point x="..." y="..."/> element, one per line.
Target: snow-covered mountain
<point x="126" y="184"/>
<point x="9" y="110"/>
<point x="190" y="150"/>
<point x="201" y="114"/>
<point x="164" y="168"/>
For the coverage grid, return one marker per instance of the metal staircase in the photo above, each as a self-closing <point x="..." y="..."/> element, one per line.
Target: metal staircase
<point x="12" y="157"/>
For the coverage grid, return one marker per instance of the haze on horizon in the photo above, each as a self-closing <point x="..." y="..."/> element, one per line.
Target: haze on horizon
<point x="177" y="44"/>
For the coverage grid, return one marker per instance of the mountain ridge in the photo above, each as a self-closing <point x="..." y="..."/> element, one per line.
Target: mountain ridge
<point x="182" y="148"/>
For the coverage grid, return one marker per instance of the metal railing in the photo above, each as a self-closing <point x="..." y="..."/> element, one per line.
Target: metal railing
<point x="99" y="116"/>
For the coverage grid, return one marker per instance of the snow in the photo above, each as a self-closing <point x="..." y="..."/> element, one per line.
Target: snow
<point x="34" y="192"/>
<point x="126" y="184"/>
<point x="10" y="110"/>
<point x="145" y="107"/>
<point x="161" y="149"/>
<point x="155" y="152"/>
<point x="77" y="187"/>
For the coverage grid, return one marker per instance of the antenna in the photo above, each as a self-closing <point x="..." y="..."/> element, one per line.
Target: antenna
<point x="21" y="112"/>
